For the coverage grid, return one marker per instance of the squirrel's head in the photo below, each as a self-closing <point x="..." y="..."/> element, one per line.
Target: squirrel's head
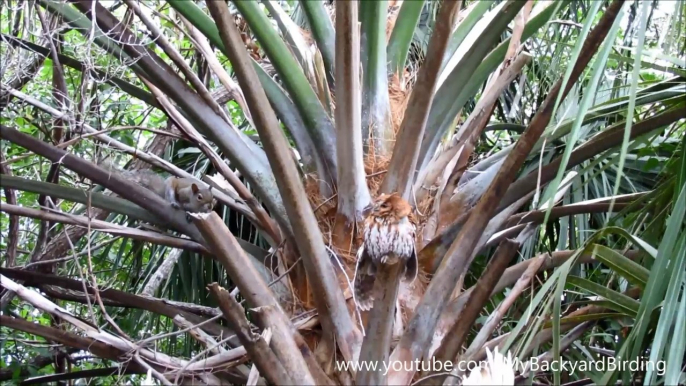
<point x="202" y="198"/>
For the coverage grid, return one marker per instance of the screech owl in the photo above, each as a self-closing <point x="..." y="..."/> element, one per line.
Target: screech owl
<point x="389" y="238"/>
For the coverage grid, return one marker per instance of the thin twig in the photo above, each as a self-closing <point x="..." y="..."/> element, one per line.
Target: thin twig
<point x="422" y="379"/>
<point x="154" y="372"/>
<point x="67" y="258"/>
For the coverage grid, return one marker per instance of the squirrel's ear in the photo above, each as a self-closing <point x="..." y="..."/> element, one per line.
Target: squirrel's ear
<point x="194" y="188"/>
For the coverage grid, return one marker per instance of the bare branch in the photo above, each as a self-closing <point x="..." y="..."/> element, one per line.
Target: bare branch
<point x="607" y="139"/>
<point x="81" y="374"/>
<point x="376" y="343"/>
<point x="121" y="344"/>
<point x="265" y="222"/>
<point x="499" y="313"/>
<point x="201" y="336"/>
<point x="510" y="277"/>
<point x="224" y="78"/>
<point x="176" y="57"/>
<point x="401" y="173"/>
<point x="104" y="226"/>
<point x="122" y="298"/>
<point x="467" y="136"/>
<point x="162" y="273"/>
<point x="233" y="144"/>
<point x="36" y="363"/>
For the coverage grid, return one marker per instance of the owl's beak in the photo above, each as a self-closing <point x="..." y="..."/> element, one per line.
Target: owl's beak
<point x="367" y="209"/>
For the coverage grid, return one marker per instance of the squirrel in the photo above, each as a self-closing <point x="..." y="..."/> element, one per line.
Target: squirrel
<point x="182" y="193"/>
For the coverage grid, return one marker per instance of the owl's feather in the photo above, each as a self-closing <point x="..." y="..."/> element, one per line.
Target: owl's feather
<point x="365" y="274"/>
<point x="411" y="266"/>
<point x="389" y="238"/>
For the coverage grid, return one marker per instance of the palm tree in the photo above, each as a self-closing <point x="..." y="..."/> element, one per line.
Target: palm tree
<point x="548" y="130"/>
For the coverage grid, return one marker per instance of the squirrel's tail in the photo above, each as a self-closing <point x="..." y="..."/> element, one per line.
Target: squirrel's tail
<point x="145" y="178"/>
<point x="107" y="164"/>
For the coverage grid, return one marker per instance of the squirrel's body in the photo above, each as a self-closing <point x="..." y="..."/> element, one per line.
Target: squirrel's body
<point x="182" y="193"/>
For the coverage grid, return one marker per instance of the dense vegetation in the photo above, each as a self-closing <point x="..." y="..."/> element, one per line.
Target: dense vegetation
<point x="541" y="143"/>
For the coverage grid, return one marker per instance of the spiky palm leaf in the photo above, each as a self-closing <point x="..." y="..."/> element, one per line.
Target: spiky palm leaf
<point x="448" y="117"/>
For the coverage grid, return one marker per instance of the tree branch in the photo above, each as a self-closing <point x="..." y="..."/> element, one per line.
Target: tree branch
<point x="353" y="194"/>
<point x="401" y="170"/>
<point x="92" y="373"/>
<point x="145" y="198"/>
<point x="454" y="308"/>
<point x="107" y="227"/>
<point x="36" y="363"/>
<point x="124" y="299"/>
<point x="330" y="303"/>
<point x="483" y="288"/>
<point x="13" y="228"/>
<point x="399" y="178"/>
<point x="231" y="142"/>
<point x="603" y="141"/>
<point x="69" y="339"/>
<point x="257" y="293"/>
<point x="258" y="350"/>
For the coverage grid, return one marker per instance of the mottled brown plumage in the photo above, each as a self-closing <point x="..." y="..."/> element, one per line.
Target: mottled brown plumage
<point x="388" y="238"/>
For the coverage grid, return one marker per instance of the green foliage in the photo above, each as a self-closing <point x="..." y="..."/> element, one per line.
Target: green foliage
<point x="623" y="86"/>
